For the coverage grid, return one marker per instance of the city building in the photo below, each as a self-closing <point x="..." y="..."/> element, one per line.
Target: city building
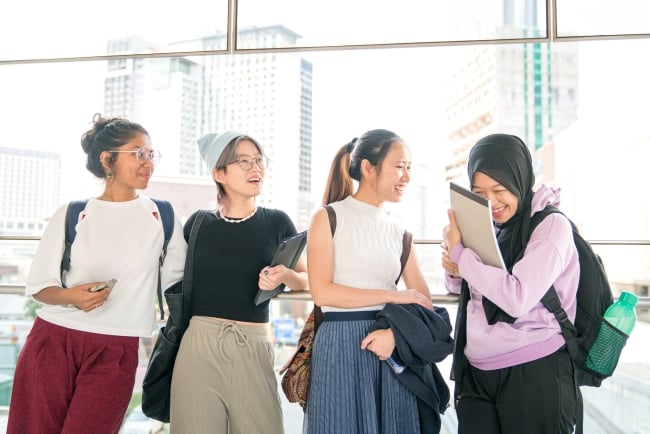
<point x="529" y="90"/>
<point x="264" y="95"/>
<point x="138" y="88"/>
<point x="30" y="184"/>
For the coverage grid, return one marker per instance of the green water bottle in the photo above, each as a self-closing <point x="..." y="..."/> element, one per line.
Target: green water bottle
<point x="606" y="350"/>
<point x="622" y="314"/>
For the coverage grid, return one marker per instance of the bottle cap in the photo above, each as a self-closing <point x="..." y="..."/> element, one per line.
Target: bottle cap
<point x="629" y="298"/>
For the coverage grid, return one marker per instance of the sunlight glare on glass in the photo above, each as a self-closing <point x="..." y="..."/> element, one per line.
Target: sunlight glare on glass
<point x="344" y="22"/>
<point x="605" y="17"/>
<point x="73" y="28"/>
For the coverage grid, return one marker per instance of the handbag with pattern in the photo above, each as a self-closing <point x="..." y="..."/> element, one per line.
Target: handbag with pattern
<point x="295" y="373"/>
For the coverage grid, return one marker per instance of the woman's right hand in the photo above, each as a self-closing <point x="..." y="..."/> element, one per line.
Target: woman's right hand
<point x="86" y="300"/>
<point x="411" y="296"/>
<point x="78" y="296"/>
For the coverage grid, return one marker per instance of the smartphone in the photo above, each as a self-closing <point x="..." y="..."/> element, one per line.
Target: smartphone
<point x="108" y="284"/>
<point x="396" y="366"/>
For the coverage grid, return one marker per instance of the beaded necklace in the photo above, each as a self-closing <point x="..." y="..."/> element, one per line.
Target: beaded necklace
<point x="229" y="220"/>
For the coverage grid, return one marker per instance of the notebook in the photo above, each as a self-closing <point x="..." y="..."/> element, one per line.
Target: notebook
<point x="474" y="218"/>
<point x="287" y="254"/>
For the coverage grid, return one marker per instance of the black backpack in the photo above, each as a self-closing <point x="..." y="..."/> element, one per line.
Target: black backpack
<point x="593" y="298"/>
<point x="72" y="213"/>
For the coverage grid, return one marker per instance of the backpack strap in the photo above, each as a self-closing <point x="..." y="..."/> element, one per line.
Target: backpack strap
<point x="188" y="273"/>
<point x="407" y="240"/>
<point x="166" y="213"/>
<point x="551" y="300"/>
<point x="167" y="216"/>
<point x="331" y="216"/>
<point x="75" y="208"/>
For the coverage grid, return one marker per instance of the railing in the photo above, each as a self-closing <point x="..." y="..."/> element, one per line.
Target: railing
<point x="643" y="303"/>
<point x="437" y="298"/>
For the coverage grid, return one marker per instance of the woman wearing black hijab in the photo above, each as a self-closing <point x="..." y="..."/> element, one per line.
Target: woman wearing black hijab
<point x="512" y="371"/>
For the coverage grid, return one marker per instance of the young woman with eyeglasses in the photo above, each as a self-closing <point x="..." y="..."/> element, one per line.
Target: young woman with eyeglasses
<point x="76" y="371"/>
<point x="223" y="378"/>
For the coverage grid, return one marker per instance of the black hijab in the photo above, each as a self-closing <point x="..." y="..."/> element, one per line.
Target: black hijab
<point x="506" y="159"/>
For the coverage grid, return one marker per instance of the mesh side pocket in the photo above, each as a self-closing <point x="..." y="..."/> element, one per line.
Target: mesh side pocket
<point x="606" y="350"/>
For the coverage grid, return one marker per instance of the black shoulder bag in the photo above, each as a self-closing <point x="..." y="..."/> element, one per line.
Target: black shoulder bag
<point x="156" y="386"/>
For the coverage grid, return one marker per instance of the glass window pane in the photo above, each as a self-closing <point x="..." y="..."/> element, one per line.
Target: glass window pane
<point x="15" y="260"/>
<point x="73" y="28"/>
<point x="602" y="17"/>
<point x="306" y="105"/>
<point x="344" y="22"/>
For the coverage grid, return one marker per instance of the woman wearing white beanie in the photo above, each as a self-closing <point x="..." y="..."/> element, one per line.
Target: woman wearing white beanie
<point x="223" y="380"/>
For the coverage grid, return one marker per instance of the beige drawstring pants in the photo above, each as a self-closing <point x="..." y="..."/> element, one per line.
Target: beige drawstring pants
<point x="224" y="382"/>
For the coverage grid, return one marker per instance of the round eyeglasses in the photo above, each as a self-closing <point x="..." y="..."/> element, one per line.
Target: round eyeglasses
<point x="143" y="155"/>
<point x="246" y="162"/>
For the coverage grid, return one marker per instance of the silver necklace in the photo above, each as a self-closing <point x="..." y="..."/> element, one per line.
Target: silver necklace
<point x="226" y="219"/>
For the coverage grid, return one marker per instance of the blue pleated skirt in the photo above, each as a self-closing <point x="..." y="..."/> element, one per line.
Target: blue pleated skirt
<point x="351" y="391"/>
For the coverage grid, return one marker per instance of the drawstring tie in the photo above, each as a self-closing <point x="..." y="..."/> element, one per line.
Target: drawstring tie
<point x="241" y="338"/>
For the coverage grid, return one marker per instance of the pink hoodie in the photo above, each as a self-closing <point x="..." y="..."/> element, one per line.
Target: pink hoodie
<point x="550" y="258"/>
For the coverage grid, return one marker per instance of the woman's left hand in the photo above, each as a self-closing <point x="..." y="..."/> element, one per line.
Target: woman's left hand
<point x="450" y="267"/>
<point x="450" y="237"/>
<point x="381" y="342"/>
<point x="271" y="277"/>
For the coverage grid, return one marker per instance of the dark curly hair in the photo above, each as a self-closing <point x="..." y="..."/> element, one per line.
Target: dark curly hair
<point x="107" y="134"/>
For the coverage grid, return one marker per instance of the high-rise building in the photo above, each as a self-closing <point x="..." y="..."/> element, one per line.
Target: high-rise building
<point x="267" y="96"/>
<point x="528" y="90"/>
<point x="162" y="95"/>
<point x="30" y="182"/>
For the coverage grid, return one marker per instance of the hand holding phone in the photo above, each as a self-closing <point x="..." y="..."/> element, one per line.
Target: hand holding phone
<point x="108" y="284"/>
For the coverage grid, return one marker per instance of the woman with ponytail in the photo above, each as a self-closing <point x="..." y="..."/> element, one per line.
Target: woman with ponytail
<point x="352" y="276"/>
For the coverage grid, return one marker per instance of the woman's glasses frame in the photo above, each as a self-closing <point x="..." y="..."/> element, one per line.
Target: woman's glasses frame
<point x="144" y="154"/>
<point x="246" y="162"/>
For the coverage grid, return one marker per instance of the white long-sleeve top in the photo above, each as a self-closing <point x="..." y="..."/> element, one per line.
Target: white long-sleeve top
<point x="121" y="240"/>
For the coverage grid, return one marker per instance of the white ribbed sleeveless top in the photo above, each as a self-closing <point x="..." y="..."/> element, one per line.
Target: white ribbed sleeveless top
<point x="367" y="248"/>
